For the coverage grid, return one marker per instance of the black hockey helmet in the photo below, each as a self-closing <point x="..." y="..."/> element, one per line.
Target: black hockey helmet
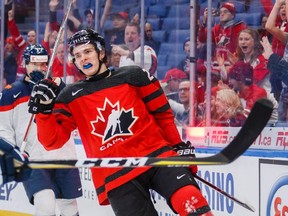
<point x="35" y="53"/>
<point x="87" y="36"/>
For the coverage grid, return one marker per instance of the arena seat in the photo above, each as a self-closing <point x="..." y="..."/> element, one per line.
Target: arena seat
<point x="182" y="10"/>
<point x="174" y="59"/>
<point x="167" y="47"/>
<point x="155" y="23"/>
<point x="176" y="23"/>
<point x="255" y="7"/>
<point x="173" y="2"/>
<point x="156" y="11"/>
<point x="162" y="59"/>
<point x="178" y="35"/>
<point x="161" y="71"/>
<point x="251" y="19"/>
<point x="160" y="35"/>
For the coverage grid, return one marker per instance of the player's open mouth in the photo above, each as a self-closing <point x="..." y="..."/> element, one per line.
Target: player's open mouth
<point x="86" y="66"/>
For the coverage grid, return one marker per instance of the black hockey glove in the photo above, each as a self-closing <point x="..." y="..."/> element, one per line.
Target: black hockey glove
<point x="35" y="77"/>
<point x="43" y="97"/>
<point x="8" y="172"/>
<point x="186" y="150"/>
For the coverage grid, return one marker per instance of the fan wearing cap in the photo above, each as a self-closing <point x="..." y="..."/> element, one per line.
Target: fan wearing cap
<point x="171" y="82"/>
<point x="241" y="80"/>
<point x="115" y="35"/>
<point x="225" y="33"/>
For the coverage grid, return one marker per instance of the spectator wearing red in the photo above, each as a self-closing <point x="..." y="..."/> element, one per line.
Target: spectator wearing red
<point x="171" y="82"/>
<point x="10" y="64"/>
<point x="19" y="41"/>
<point x="241" y="80"/>
<point x="72" y="73"/>
<point x="280" y="35"/>
<point x="262" y="30"/>
<point x="224" y="34"/>
<point x="251" y="51"/>
<point x="277" y="25"/>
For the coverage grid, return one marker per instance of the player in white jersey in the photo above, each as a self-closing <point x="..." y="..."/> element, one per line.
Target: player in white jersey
<point x="46" y="187"/>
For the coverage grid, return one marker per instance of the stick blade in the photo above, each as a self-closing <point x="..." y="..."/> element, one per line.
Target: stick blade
<point x="255" y="123"/>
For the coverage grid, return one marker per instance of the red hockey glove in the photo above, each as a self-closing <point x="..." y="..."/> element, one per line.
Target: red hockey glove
<point x="186" y="150"/>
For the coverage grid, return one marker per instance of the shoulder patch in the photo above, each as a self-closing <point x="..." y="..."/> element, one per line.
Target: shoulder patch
<point x="8" y="86"/>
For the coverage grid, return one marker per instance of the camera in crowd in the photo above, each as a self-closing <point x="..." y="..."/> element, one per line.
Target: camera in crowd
<point x="215" y="12"/>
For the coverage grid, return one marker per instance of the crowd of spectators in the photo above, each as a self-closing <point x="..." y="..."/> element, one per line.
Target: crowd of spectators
<point x="239" y="54"/>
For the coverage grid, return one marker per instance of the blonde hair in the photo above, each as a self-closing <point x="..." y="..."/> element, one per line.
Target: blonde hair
<point x="231" y="99"/>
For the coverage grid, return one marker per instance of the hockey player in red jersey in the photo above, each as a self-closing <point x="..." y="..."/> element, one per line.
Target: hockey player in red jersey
<point x="123" y="113"/>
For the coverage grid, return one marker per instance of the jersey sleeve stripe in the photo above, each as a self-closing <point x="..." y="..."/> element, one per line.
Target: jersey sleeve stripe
<point x="62" y="111"/>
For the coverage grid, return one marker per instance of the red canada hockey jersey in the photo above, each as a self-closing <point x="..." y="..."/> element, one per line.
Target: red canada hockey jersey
<point x="224" y="38"/>
<point x="123" y="115"/>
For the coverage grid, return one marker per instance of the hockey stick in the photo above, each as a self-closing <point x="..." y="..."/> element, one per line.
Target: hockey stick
<point x="224" y="193"/>
<point x="253" y="126"/>
<point x="61" y="29"/>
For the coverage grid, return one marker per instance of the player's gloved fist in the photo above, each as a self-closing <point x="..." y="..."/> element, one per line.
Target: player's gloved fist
<point x="8" y="172"/>
<point x="43" y="97"/>
<point x="35" y="76"/>
<point x="186" y="150"/>
<point x="47" y="90"/>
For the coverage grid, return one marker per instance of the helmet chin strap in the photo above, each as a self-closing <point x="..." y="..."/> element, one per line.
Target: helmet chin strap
<point x="100" y="65"/>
